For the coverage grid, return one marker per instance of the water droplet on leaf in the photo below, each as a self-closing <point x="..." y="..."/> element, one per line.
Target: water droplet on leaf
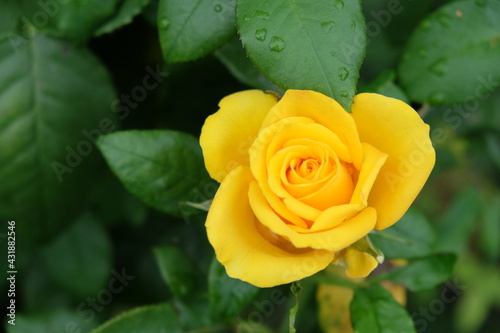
<point x="262" y="15"/>
<point x="164" y="23"/>
<point x="344" y="94"/>
<point x="353" y="24"/>
<point x="445" y="20"/>
<point x="327" y="26"/>
<point x="277" y="44"/>
<point x="422" y="53"/>
<point x="439" y="66"/>
<point x="261" y="34"/>
<point x="246" y="18"/>
<point x="426" y="24"/>
<point x="218" y="8"/>
<point x="437" y="98"/>
<point x="343" y="73"/>
<point x="339" y="4"/>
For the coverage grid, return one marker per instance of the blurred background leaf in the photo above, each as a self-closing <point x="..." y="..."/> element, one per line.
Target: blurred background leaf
<point x="453" y="54"/>
<point x="79" y="259"/>
<point x="153" y="318"/>
<point x="413" y="236"/>
<point x="47" y="140"/>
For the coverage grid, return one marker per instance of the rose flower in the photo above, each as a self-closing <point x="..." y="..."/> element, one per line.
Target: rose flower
<point x="302" y="180"/>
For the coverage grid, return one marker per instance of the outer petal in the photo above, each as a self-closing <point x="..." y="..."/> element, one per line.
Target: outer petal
<point x="323" y="110"/>
<point x="227" y="135"/>
<point x="247" y="255"/>
<point x="335" y="239"/>
<point x="373" y="160"/>
<point x="396" y="129"/>
<point x="357" y="264"/>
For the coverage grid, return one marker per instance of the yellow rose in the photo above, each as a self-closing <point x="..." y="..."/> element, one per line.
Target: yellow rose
<point x="302" y="179"/>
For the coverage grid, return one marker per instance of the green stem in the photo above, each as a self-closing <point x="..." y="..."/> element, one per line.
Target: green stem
<point x="296" y="288"/>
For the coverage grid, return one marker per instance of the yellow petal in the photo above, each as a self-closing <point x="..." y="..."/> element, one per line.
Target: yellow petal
<point x="323" y="110"/>
<point x="333" y="302"/>
<point x="227" y="135"/>
<point x="373" y="160"/>
<point x="314" y="132"/>
<point x="335" y="239"/>
<point x="394" y="128"/>
<point x="333" y="216"/>
<point x="259" y="161"/>
<point x="247" y="255"/>
<point x="357" y="264"/>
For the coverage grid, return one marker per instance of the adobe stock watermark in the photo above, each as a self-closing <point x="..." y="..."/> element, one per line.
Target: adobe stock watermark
<point x="88" y="309"/>
<point x="409" y="164"/>
<point x="455" y="114"/>
<point x="121" y="107"/>
<point x="436" y="307"/>
<point x="379" y="19"/>
<point x="47" y="10"/>
<point x="263" y="310"/>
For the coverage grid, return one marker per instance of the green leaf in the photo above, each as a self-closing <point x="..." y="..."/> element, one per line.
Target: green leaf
<point x="9" y="15"/>
<point x="75" y="19"/>
<point x="374" y="310"/>
<point x="453" y="54"/>
<point x="455" y="227"/>
<point x="228" y="296"/>
<point x="384" y="85"/>
<point x="234" y="57"/>
<point x="51" y="115"/>
<point x="79" y="259"/>
<point x="190" y="29"/>
<point x="125" y="12"/>
<point x="162" y="168"/>
<point x="314" y="45"/>
<point x="423" y="273"/>
<point x="153" y="318"/>
<point x="493" y="145"/>
<point x="60" y="320"/>
<point x="490" y="227"/>
<point x="412" y="236"/>
<point x="176" y="269"/>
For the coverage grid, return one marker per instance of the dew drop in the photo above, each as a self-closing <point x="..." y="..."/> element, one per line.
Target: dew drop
<point x="339" y="4"/>
<point x="262" y="15"/>
<point x="277" y="44"/>
<point x="246" y="18"/>
<point x="164" y="23"/>
<point x="261" y="34"/>
<point x="343" y="73"/>
<point x="353" y="24"/>
<point x="426" y="25"/>
<point x="327" y="26"/>
<point x="344" y="94"/>
<point x="437" y="98"/>
<point x="439" y="66"/>
<point x="422" y="53"/>
<point x="445" y="20"/>
<point x="333" y="54"/>
<point x="218" y="8"/>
